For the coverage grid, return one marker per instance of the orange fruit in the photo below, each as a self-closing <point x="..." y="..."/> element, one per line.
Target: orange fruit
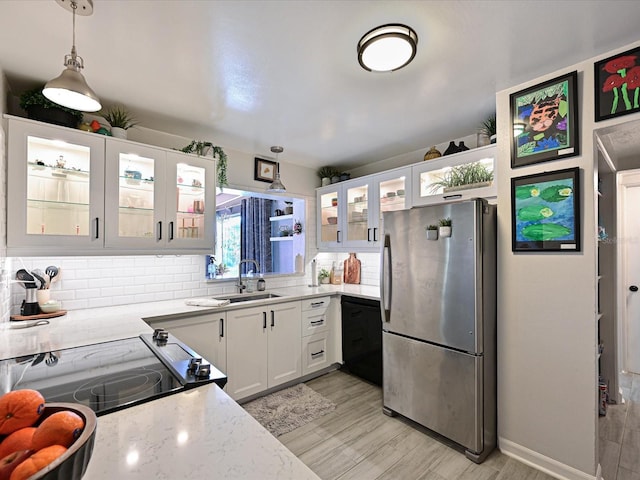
<point x="61" y="428"/>
<point x="37" y="462"/>
<point x="18" y="440"/>
<point x="19" y="409"/>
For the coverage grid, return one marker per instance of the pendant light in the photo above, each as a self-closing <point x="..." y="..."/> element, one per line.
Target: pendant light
<point x="387" y="48"/>
<point x="277" y="186"/>
<point x="70" y="89"/>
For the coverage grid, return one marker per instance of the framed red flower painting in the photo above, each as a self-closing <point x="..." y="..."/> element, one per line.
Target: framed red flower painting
<point x="617" y="85"/>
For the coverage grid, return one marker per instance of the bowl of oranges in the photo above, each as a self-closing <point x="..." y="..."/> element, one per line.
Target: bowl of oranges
<point x="44" y="441"/>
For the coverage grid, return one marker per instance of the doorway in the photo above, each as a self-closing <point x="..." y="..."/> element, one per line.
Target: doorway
<point x="629" y="270"/>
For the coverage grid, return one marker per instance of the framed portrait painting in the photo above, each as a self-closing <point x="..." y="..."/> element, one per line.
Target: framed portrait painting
<point x="544" y="121"/>
<point x="545" y="212"/>
<point x="264" y="170"/>
<point x="617" y="85"/>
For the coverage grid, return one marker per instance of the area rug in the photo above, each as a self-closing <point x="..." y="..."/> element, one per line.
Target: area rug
<point x="284" y="411"/>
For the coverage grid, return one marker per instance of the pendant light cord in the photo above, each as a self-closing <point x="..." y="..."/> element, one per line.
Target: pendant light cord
<point x="74" y="6"/>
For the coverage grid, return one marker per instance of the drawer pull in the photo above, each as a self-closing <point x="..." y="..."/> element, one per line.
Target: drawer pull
<point x="317" y="304"/>
<point x="317" y="322"/>
<point x="317" y="354"/>
<point x="221" y="333"/>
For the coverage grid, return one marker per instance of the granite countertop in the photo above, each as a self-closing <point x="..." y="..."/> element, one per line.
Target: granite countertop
<point x="198" y="434"/>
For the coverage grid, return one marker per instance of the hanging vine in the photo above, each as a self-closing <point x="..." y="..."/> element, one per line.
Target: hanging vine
<point x="202" y="149"/>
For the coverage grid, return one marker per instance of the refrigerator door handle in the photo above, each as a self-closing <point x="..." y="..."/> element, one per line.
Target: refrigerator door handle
<point x="385" y="280"/>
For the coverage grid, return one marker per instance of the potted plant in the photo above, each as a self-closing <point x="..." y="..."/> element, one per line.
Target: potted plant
<point x="445" y="227"/>
<point x="324" y="275"/>
<point x="432" y="232"/>
<point x="488" y="128"/>
<point x="462" y="177"/>
<point x="120" y="121"/>
<point x="325" y="174"/>
<point x="39" y="107"/>
<point x="202" y="149"/>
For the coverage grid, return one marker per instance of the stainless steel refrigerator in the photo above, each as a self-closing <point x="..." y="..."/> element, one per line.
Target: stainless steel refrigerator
<point x="438" y="300"/>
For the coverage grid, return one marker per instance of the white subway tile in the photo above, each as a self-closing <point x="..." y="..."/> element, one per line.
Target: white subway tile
<point x="86" y="293"/>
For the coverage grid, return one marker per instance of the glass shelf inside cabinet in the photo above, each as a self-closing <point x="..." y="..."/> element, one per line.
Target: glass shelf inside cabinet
<point x="329" y="216"/>
<point x="190" y="225"/>
<point x="136" y="193"/>
<point x="58" y="176"/>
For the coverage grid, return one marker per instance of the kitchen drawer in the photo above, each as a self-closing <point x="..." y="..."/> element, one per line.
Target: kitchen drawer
<point x="318" y="304"/>
<point x="315" y="352"/>
<point x="314" y="322"/>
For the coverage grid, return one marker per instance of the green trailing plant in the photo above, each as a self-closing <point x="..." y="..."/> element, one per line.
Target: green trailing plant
<point x="328" y="172"/>
<point x="202" y="149"/>
<point x="117" y="116"/>
<point x="35" y="97"/>
<point x="445" y="222"/>
<point x="488" y="126"/>
<point x="466" y="174"/>
<point x="432" y="227"/>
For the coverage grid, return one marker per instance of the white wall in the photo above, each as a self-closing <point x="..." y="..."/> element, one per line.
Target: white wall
<point x="547" y="338"/>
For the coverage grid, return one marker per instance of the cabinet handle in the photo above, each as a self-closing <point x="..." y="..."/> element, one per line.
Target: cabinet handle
<point x="375" y="234"/>
<point x="97" y="227"/>
<point x="170" y="230"/>
<point x="221" y="327"/>
<point x="338" y="236"/>
<point x="159" y="230"/>
<point x="264" y="320"/>
<point x="317" y="322"/>
<point x="317" y="304"/>
<point x="368" y="234"/>
<point x="452" y="197"/>
<point x="273" y="319"/>
<point x="317" y="354"/>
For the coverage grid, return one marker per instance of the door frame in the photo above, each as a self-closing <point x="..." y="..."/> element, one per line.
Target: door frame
<point x="624" y="180"/>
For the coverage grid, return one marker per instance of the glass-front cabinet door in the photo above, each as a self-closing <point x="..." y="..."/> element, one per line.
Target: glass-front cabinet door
<point x="190" y="201"/>
<point x="55" y="188"/>
<point x="134" y="209"/>
<point x="393" y="193"/>
<point x="330" y="230"/>
<point x="358" y="231"/>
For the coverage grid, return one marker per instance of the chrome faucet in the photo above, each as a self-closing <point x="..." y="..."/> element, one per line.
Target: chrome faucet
<point x="241" y="286"/>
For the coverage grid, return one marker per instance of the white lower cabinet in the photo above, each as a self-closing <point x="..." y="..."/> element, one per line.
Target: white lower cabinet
<point x="264" y="348"/>
<point x="203" y="333"/>
<point x="317" y="334"/>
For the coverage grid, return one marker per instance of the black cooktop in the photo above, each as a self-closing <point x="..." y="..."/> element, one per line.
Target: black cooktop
<point x="113" y="375"/>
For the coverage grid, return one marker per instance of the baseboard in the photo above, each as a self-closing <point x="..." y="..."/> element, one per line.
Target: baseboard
<point x="543" y="463"/>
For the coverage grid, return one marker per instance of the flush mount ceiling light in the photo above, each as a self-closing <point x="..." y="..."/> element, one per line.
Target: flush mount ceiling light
<point x="277" y="186"/>
<point x="70" y="89"/>
<point x="387" y="48"/>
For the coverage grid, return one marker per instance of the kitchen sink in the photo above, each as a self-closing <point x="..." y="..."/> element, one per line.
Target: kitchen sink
<point x="247" y="297"/>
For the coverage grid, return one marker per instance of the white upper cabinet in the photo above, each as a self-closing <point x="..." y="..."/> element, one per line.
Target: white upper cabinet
<point x="157" y="199"/>
<point x="73" y="192"/>
<point x="350" y="213"/>
<point x="428" y="176"/>
<point x="55" y="191"/>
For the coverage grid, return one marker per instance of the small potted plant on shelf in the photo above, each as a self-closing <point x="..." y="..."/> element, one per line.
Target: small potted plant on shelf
<point x="488" y="128"/>
<point x="120" y="121"/>
<point x="432" y="232"/>
<point x="39" y="107"/>
<point x="324" y="275"/>
<point x="325" y="174"/>
<point x="202" y="149"/>
<point x="445" y="227"/>
<point x="462" y="177"/>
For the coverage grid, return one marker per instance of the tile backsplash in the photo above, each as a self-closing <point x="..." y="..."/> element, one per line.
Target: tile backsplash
<point x="93" y="282"/>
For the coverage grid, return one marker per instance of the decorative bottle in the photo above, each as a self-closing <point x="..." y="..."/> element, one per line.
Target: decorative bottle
<point x="452" y="148"/>
<point x="462" y="147"/>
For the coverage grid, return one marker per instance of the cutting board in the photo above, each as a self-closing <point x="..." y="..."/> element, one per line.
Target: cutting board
<point x="352" y="267"/>
<point x="39" y="316"/>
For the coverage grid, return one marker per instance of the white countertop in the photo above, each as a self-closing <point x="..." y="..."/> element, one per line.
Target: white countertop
<point x="198" y="434"/>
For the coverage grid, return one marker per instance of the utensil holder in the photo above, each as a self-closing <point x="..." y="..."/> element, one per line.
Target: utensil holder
<point x="43" y="296"/>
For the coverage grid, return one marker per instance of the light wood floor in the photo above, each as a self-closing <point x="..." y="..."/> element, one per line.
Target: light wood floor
<point x="619" y="433"/>
<point x="357" y="441"/>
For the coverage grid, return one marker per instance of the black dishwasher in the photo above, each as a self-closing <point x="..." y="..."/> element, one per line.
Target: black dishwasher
<point x="362" y="338"/>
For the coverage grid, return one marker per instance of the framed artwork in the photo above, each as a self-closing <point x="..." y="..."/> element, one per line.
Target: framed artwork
<point x="545" y="212"/>
<point x="617" y="85"/>
<point x="544" y="121"/>
<point x="264" y="170"/>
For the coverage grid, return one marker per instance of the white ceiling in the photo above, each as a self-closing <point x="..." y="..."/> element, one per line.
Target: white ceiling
<point x="251" y="74"/>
